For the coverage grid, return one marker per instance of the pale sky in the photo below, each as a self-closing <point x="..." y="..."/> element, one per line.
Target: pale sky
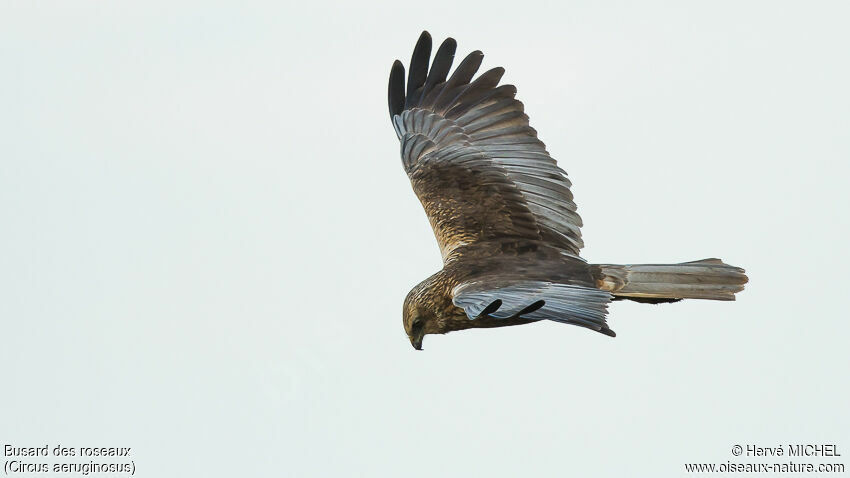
<point x="208" y="235"/>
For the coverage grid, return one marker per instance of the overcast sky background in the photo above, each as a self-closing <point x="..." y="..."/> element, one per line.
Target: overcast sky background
<point x="207" y="236"/>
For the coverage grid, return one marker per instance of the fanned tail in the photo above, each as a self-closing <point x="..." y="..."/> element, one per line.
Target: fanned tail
<point x="705" y="279"/>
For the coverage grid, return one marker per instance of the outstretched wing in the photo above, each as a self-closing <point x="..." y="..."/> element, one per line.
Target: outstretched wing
<point x="507" y="297"/>
<point x="474" y="162"/>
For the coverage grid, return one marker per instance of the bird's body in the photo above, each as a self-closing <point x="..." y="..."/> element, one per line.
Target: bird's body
<point x="503" y="214"/>
<point x="490" y="260"/>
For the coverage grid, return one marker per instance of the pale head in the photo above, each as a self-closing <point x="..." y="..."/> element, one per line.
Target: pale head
<point x="425" y="310"/>
<point x="418" y="320"/>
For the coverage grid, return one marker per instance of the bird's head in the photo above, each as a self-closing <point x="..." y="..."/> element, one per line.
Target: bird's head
<point x="428" y="309"/>
<point x="422" y="313"/>
<point x="418" y="321"/>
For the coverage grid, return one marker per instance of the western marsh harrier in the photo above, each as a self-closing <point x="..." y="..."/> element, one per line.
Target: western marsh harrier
<point x="503" y="213"/>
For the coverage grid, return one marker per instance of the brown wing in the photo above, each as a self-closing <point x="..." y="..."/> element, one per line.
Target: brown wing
<point x="474" y="162"/>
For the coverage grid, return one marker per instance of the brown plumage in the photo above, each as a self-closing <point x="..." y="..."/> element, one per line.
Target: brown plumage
<point x="503" y="213"/>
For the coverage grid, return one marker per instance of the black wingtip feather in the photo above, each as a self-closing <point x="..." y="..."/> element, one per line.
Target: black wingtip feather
<point x="467" y="68"/>
<point x="608" y="332"/>
<point x="395" y="89"/>
<point x="531" y="308"/>
<point x="460" y="78"/>
<point x="428" y="87"/>
<point x="493" y="307"/>
<point x="440" y="67"/>
<point x="419" y="64"/>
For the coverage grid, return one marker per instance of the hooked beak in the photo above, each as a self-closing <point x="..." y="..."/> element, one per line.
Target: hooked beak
<point x="416" y="342"/>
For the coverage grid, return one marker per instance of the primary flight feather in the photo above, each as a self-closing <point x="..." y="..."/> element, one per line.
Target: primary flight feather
<point x="503" y="213"/>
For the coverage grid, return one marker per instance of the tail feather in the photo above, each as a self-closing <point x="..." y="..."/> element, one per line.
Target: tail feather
<point x="705" y="279"/>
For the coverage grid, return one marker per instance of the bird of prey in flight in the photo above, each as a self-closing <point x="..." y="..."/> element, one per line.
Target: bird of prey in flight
<point x="503" y="214"/>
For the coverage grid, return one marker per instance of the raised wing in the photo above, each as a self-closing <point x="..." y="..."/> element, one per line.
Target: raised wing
<point x="474" y="162"/>
<point x="504" y="298"/>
